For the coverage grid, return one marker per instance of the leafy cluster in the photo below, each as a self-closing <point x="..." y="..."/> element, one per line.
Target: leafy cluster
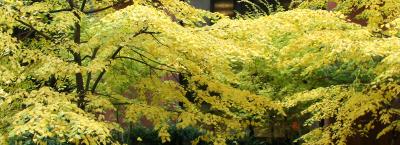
<point x="378" y="13"/>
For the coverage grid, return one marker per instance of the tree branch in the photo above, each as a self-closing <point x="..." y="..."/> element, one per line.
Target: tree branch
<point x="83" y="5"/>
<point x="99" y="77"/>
<point x="27" y="34"/>
<point x="98" y="10"/>
<point x="34" y="29"/>
<point x="104" y="71"/>
<point x="120" y="104"/>
<point x="155" y="38"/>
<point x="107" y="7"/>
<point x="89" y="74"/>
<point x="78" y="59"/>
<point x="145" y="63"/>
<point x="60" y="10"/>
<point x="71" y="3"/>
<point x="79" y="83"/>
<point x="113" y="56"/>
<point x="141" y="55"/>
<point x="85" y="57"/>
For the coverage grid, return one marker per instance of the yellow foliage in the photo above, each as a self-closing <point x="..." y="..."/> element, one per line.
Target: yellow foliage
<point x="63" y="65"/>
<point x="378" y="13"/>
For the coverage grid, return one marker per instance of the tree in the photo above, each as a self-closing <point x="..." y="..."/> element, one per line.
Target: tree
<point x="63" y="63"/>
<point x="324" y="68"/>
<point x="58" y="59"/>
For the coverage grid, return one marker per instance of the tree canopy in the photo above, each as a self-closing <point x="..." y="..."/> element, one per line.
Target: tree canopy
<point x="63" y="64"/>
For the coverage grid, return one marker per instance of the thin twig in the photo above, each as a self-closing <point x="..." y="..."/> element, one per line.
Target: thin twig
<point x="60" y="10"/>
<point x="98" y="10"/>
<point x="155" y="38"/>
<point x="143" y="62"/>
<point x="141" y="55"/>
